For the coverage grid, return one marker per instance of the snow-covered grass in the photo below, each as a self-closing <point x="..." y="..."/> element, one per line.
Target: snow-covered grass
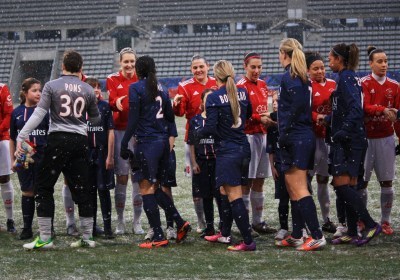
<point x="122" y="259"/>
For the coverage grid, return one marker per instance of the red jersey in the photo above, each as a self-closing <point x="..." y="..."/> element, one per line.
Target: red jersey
<point x="6" y="108"/>
<point x="117" y="85"/>
<point x="377" y="97"/>
<point x="258" y="93"/>
<point x="190" y="103"/>
<point x="321" y="104"/>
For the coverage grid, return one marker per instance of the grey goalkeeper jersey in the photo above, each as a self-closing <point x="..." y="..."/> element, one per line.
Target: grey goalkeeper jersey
<point x="69" y="100"/>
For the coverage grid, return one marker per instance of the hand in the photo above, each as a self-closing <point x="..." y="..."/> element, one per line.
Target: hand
<point x="275" y="173"/>
<point x="195" y="168"/>
<point x="109" y="163"/>
<point x="125" y="153"/>
<point x="390" y="114"/>
<point x="266" y="119"/>
<point x="177" y="99"/>
<point x="118" y="103"/>
<point x="19" y="151"/>
<point x="321" y="119"/>
<point x="340" y="136"/>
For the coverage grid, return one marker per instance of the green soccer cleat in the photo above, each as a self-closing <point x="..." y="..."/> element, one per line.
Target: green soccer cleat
<point x="84" y="243"/>
<point x="39" y="244"/>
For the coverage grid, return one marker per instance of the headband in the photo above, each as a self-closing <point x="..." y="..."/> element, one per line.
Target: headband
<point x="313" y="57"/>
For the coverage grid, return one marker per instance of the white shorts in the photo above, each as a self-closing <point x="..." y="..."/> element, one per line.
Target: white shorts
<point x="380" y="157"/>
<point x="321" y="158"/>
<point x="121" y="166"/>
<point x="5" y="160"/>
<point x="259" y="164"/>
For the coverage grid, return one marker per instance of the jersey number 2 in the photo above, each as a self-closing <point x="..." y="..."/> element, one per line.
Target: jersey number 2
<point x="160" y="113"/>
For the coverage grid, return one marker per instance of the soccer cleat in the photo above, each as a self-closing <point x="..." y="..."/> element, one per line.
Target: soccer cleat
<point x="329" y="226"/>
<point x="306" y="233"/>
<point x="26" y="233"/>
<point x="154" y="244"/>
<point x="219" y="238"/>
<point x="108" y="234"/>
<point x="340" y="231"/>
<point x="11" y="226"/>
<point x="207" y="232"/>
<point x="149" y="235"/>
<point x="137" y="229"/>
<point x="84" y="243"/>
<point x="387" y="228"/>
<point x="289" y="242"/>
<point x="371" y="233"/>
<point x="345" y="239"/>
<point x="120" y="228"/>
<point x="243" y="247"/>
<point x="171" y="233"/>
<point x="97" y="231"/>
<point x="312" y="244"/>
<point x="183" y="232"/>
<point x="254" y="234"/>
<point x="263" y="228"/>
<point x="39" y="244"/>
<point x="72" y="230"/>
<point x="281" y="234"/>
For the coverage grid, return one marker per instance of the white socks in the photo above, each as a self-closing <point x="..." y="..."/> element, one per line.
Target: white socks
<point x="120" y="198"/>
<point x="45" y="228"/>
<point x="246" y="200"/>
<point x="199" y="209"/>
<point x="324" y="201"/>
<point x="69" y="206"/>
<point x="387" y="195"/>
<point x="137" y="202"/>
<point x="86" y="227"/>
<point x="257" y="206"/>
<point x="7" y="193"/>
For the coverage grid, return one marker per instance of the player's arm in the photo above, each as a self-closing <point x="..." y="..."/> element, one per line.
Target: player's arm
<point x="180" y="102"/>
<point x="167" y="109"/>
<point x="275" y="173"/>
<point x="133" y="119"/>
<point x="110" y="153"/>
<point x="210" y="127"/>
<point x="7" y="108"/>
<point x="191" y="141"/>
<point x="173" y="133"/>
<point x="114" y="100"/>
<point x="369" y="108"/>
<point x="93" y="110"/>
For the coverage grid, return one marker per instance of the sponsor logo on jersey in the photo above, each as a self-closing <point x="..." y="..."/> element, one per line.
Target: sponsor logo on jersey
<point x="120" y="86"/>
<point x="95" y="128"/>
<point x="36" y="132"/>
<point x="334" y="103"/>
<point x="206" y="141"/>
<point x="261" y="109"/>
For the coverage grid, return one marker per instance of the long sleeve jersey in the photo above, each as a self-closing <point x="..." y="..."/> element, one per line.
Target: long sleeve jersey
<point x="378" y="97"/>
<point x="98" y="134"/>
<point x="6" y="108"/>
<point x="190" y="103"/>
<point x="258" y="94"/>
<point x="118" y="86"/>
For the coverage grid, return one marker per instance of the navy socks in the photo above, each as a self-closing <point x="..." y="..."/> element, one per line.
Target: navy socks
<point x="226" y="216"/>
<point x="28" y="210"/>
<point x="309" y="213"/>
<point x="241" y="216"/>
<point x="153" y="215"/>
<point x="168" y="206"/>
<point x="297" y="220"/>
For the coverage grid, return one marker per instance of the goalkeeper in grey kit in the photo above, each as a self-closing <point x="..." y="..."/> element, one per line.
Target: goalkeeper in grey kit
<point x="69" y="101"/>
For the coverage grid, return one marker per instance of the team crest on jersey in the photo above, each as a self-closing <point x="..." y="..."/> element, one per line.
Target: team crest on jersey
<point x="264" y="92"/>
<point x="389" y="93"/>
<point x="120" y="86"/>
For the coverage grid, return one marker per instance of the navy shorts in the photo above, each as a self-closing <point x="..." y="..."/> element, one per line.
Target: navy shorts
<point x="27" y="177"/>
<point x="347" y="159"/>
<point x="99" y="176"/>
<point x="299" y="152"/>
<point x="203" y="184"/>
<point x="232" y="168"/>
<point x="280" y="185"/>
<point x="171" y="171"/>
<point x="153" y="156"/>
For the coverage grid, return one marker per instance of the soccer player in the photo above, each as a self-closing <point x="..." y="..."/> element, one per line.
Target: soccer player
<point x="29" y="96"/>
<point x="187" y="103"/>
<point x="69" y="100"/>
<point x="255" y="130"/>
<point x="281" y="192"/>
<point x="7" y="189"/>
<point x="202" y="155"/>
<point x="227" y="110"/>
<point x="349" y="142"/>
<point x="101" y="159"/>
<point x="322" y="89"/>
<point x="297" y="144"/>
<point x="380" y="94"/>
<point x="150" y="112"/>
<point x="118" y="86"/>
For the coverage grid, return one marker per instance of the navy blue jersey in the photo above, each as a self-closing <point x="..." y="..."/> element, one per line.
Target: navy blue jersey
<point x="98" y="134"/>
<point x="148" y="118"/>
<point x="172" y="131"/>
<point x="20" y="116"/>
<point x="203" y="147"/>
<point x="272" y="142"/>
<point x="220" y="122"/>
<point x="347" y="111"/>
<point x="294" y="106"/>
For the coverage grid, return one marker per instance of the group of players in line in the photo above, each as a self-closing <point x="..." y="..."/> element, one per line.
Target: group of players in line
<point x="343" y="129"/>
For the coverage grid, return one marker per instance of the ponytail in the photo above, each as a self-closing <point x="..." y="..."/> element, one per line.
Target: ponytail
<point x="146" y="68"/>
<point x="224" y="72"/>
<point x="348" y="53"/>
<point x="298" y="66"/>
<point x="353" y="57"/>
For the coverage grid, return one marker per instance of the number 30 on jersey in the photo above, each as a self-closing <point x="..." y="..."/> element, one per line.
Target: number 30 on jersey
<point x="68" y="105"/>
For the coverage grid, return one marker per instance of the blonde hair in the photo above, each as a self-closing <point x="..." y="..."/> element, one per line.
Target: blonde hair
<point x="298" y="66"/>
<point x="225" y="73"/>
